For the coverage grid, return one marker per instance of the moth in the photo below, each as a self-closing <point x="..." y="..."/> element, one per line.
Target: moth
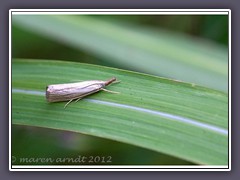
<point x="76" y="91"/>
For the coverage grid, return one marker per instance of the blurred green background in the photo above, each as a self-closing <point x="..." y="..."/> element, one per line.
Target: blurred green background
<point x="191" y="48"/>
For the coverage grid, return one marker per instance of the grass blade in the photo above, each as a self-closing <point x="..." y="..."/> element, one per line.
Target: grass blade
<point x="179" y="119"/>
<point x="160" y="53"/>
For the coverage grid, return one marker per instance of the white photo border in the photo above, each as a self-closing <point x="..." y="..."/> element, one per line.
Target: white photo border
<point x="118" y="12"/>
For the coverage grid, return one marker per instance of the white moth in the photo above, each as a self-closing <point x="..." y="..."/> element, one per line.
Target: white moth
<point x="76" y="91"/>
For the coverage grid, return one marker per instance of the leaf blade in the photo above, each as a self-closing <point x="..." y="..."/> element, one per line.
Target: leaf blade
<point x="160" y="52"/>
<point x="134" y="126"/>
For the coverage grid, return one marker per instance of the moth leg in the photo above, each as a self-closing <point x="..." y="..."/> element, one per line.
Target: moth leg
<point x="68" y="103"/>
<point x="115" y="82"/>
<point x="114" y="92"/>
<point x="78" y="99"/>
<point x="82" y="96"/>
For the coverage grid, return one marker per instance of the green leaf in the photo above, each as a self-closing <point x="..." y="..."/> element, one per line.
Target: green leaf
<point x="140" y="48"/>
<point x="179" y="119"/>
